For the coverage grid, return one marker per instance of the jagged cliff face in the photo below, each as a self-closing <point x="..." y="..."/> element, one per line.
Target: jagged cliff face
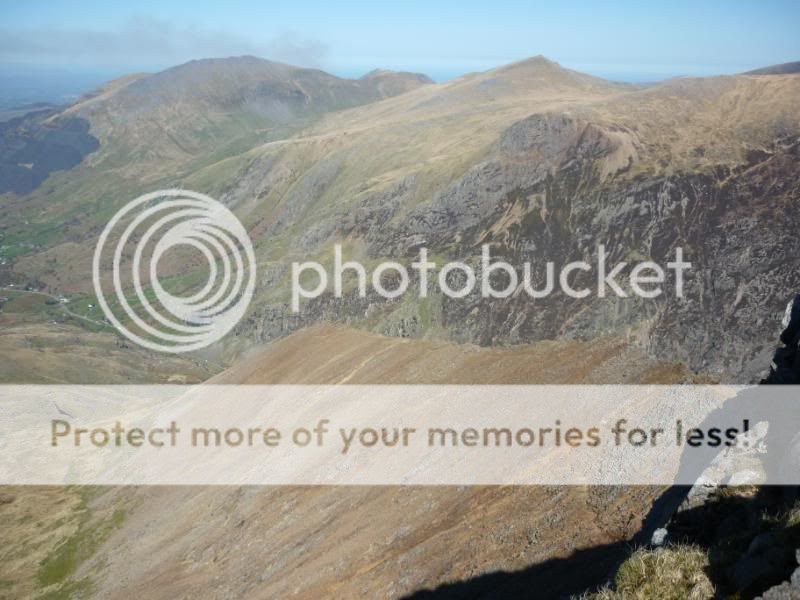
<point x="542" y="163"/>
<point x="738" y="227"/>
<point x="554" y="186"/>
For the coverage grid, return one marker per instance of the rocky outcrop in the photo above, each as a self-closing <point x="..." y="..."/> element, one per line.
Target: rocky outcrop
<point x="789" y="590"/>
<point x="554" y="190"/>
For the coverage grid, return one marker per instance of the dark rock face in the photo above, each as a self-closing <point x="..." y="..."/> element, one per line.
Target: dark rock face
<point x="737" y="229"/>
<point x="789" y="590"/>
<point x="546" y="196"/>
<point x="742" y="234"/>
<point x="31" y="148"/>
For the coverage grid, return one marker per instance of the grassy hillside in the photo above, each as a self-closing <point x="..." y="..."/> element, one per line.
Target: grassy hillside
<point x="542" y="162"/>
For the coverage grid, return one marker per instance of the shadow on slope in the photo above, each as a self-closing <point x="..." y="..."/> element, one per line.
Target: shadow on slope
<point x="31" y="147"/>
<point x="554" y="578"/>
<point x="750" y="536"/>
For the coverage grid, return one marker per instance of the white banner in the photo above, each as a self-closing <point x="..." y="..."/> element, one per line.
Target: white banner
<point x="398" y="435"/>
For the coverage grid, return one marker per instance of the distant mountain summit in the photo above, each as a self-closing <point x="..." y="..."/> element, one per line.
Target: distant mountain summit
<point x="782" y="69"/>
<point x="393" y="83"/>
<point x="276" y="90"/>
<point x="402" y="75"/>
<point x="177" y="113"/>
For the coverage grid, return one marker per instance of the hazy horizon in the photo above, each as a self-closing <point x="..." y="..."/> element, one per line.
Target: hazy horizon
<point x="51" y="45"/>
<point x="22" y="84"/>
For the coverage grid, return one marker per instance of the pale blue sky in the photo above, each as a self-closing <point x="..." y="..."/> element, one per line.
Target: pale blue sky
<point x="622" y="40"/>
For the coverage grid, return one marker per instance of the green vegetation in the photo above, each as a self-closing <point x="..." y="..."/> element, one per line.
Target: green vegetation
<point x="666" y="574"/>
<point x="740" y="543"/>
<point x="57" y="571"/>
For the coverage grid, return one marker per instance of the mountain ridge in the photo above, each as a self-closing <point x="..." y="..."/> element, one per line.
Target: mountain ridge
<point x="780" y="69"/>
<point x="174" y="114"/>
<point x="539" y="161"/>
